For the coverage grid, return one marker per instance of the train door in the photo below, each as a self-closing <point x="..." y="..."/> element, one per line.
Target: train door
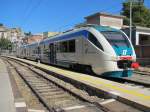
<point x="52" y="53"/>
<point x="79" y="50"/>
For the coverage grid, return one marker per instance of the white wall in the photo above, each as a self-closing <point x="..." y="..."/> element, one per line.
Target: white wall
<point x="137" y="36"/>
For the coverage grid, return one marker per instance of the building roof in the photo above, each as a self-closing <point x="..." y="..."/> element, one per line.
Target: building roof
<point x="3" y="29"/>
<point x="138" y="27"/>
<point x="142" y="28"/>
<point x="104" y="14"/>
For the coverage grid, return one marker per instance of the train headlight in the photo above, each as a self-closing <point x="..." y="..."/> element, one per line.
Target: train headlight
<point x="115" y="58"/>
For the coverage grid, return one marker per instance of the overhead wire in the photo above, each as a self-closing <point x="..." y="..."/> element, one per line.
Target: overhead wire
<point x="32" y="9"/>
<point x="26" y="11"/>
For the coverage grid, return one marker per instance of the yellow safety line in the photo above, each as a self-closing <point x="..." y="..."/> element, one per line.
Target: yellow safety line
<point x="118" y="88"/>
<point x="97" y="82"/>
<point x="111" y="86"/>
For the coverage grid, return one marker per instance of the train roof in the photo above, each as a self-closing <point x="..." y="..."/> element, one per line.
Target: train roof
<point x="104" y="28"/>
<point x="98" y="27"/>
<point x="76" y="32"/>
<point x="65" y="36"/>
<point x="79" y="30"/>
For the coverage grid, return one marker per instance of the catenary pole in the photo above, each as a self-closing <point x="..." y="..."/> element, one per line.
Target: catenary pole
<point x="131" y="20"/>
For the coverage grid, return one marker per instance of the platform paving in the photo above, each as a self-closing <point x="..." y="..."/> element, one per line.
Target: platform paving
<point x="6" y="94"/>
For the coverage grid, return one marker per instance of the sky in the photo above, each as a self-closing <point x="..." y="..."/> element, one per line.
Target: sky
<point x="53" y="15"/>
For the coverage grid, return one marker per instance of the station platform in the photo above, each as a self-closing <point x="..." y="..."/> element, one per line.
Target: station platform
<point x="10" y="98"/>
<point x="128" y="94"/>
<point x="6" y="93"/>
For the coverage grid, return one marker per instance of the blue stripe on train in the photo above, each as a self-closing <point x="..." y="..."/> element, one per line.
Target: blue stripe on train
<point x="67" y="36"/>
<point x="118" y="74"/>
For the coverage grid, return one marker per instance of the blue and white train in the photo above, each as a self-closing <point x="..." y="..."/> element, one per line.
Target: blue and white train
<point x="104" y="50"/>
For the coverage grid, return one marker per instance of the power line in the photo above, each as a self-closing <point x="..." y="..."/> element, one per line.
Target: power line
<point x="32" y="9"/>
<point x="26" y="11"/>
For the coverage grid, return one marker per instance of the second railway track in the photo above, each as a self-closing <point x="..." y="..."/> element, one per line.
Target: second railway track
<point x="135" y="80"/>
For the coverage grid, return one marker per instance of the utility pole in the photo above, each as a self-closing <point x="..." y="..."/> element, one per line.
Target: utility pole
<point x="131" y="4"/>
<point x="131" y="20"/>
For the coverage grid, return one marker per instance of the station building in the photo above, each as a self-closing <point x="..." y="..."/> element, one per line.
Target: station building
<point x="49" y="34"/>
<point x="15" y="35"/>
<point x="105" y="19"/>
<point x="140" y="35"/>
<point x="32" y="38"/>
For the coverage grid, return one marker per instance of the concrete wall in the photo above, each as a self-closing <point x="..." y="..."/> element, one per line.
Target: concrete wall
<point x="142" y="51"/>
<point x="143" y="54"/>
<point x="139" y="36"/>
<point x="105" y="20"/>
<point x="111" y="21"/>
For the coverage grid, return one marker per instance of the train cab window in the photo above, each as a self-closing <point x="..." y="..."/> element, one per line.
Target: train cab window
<point x="94" y="40"/>
<point x="71" y="45"/>
<point x="116" y="38"/>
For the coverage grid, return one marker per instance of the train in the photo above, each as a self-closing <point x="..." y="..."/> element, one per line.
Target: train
<point x="104" y="50"/>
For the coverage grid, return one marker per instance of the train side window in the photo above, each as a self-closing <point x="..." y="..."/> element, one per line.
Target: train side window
<point x="71" y="45"/>
<point x="64" y="46"/>
<point x="94" y="40"/>
<point x="58" y="47"/>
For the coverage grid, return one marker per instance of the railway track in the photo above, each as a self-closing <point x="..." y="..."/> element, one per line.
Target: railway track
<point x="57" y="95"/>
<point x="139" y="80"/>
<point x="134" y="81"/>
<point x="142" y="72"/>
<point x="54" y="97"/>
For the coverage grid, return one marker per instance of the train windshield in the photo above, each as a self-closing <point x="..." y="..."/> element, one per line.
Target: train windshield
<point x="116" y="38"/>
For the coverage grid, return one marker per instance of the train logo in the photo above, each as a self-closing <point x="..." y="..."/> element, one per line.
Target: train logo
<point x="124" y="52"/>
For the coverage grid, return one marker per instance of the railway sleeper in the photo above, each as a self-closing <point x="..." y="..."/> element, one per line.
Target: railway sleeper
<point x="59" y="97"/>
<point x="66" y="103"/>
<point x="52" y="93"/>
<point x="44" y="87"/>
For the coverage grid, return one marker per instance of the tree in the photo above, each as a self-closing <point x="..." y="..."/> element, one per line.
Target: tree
<point x="28" y="33"/>
<point x="1" y="24"/>
<point x="5" y="44"/>
<point x="141" y="14"/>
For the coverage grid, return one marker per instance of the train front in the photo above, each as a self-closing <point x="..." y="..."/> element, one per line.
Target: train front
<point x="121" y="58"/>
